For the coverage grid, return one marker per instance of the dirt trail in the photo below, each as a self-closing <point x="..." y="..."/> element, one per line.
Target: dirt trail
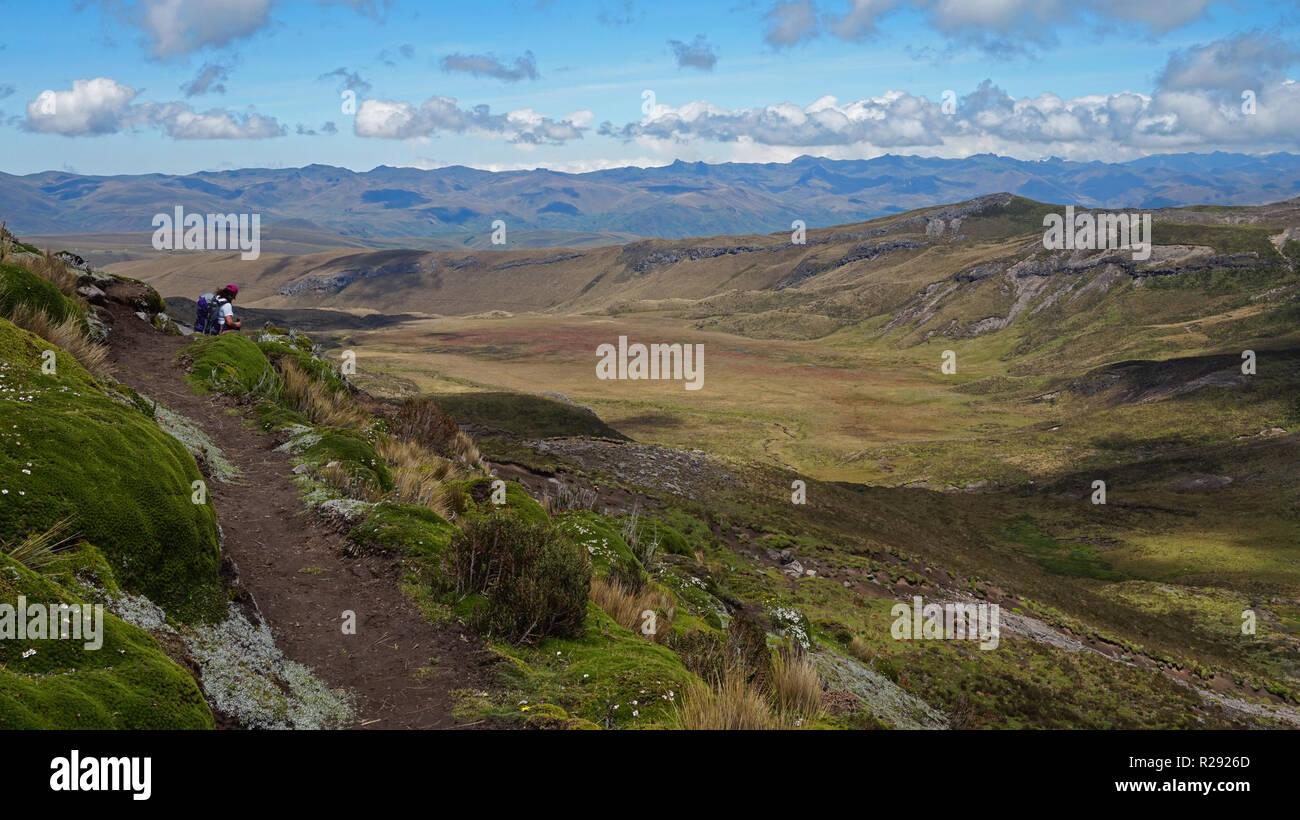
<point x="401" y="668"/>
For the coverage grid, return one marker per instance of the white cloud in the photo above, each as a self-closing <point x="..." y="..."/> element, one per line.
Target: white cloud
<point x="181" y="122"/>
<point x="385" y="119"/>
<point x="104" y="106"/>
<point x="90" y="107"/>
<point x="1095" y="126"/>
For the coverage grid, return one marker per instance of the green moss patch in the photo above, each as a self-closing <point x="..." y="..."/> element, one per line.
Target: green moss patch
<point x="405" y="528"/>
<point x="610" y="677"/>
<point x="475" y="497"/>
<point x="127" y="683"/>
<point x="231" y="363"/>
<point x="19" y="286"/>
<point x="68" y="450"/>
<point x="354" y="454"/>
<point x="599" y="536"/>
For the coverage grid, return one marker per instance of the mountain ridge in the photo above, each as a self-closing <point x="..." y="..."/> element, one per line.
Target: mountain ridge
<point x="459" y="204"/>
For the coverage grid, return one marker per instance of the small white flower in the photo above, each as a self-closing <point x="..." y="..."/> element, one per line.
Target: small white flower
<point x="29" y="653"/>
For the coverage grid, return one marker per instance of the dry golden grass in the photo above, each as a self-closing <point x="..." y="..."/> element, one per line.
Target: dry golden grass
<point x="795" y="689"/>
<point x="419" y="474"/>
<point x="732" y="704"/>
<point x="53" y="269"/>
<point x="466" y="452"/>
<point x="67" y="334"/>
<point x="627" y="607"/>
<point x="317" y="402"/>
<point x="337" y="476"/>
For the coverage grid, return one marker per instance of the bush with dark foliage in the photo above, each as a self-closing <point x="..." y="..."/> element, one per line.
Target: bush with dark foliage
<point x="533" y="580"/>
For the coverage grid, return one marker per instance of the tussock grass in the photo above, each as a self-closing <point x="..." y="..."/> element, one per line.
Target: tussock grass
<point x="40" y="549"/>
<point x="732" y="704"/>
<point x="788" y="696"/>
<point x="627" y="607"/>
<point x="316" y="401"/>
<point x="419" y="475"/>
<point x="348" y="483"/>
<point x="421" y="420"/>
<point x="52" y="269"/>
<point x="67" y="334"/>
<point x="569" y="497"/>
<point x="795" y="689"/>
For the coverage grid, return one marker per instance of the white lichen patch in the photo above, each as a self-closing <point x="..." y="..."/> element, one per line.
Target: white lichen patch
<point x="247" y="677"/>
<point x="301" y="439"/>
<point x="191" y="436"/>
<point x="139" y="611"/>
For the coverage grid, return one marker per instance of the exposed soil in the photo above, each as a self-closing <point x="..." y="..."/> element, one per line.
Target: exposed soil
<point x="401" y="668"/>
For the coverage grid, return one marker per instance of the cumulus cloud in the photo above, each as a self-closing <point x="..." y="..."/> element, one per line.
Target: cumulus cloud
<point x="695" y="54"/>
<point x="89" y="108"/>
<point x="104" y="106"/>
<point x="386" y="119"/>
<point x="487" y="65"/>
<point x="181" y="122"/>
<point x="988" y="119"/>
<point x="211" y="79"/>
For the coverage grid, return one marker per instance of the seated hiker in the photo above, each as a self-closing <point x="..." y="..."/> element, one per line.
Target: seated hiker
<point x="225" y="311"/>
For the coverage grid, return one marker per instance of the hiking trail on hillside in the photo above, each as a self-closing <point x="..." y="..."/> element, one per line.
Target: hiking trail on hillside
<point x="402" y="669"/>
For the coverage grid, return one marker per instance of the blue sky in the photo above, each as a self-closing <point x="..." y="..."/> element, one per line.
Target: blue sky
<point x="175" y="86"/>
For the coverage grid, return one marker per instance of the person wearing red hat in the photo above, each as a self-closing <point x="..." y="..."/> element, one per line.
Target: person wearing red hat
<point x="225" y="310"/>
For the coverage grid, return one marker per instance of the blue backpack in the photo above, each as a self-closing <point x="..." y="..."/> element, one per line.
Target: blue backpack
<point x="207" y="317"/>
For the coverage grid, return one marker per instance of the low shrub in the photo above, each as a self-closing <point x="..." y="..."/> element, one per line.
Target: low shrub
<point x="534" y="581"/>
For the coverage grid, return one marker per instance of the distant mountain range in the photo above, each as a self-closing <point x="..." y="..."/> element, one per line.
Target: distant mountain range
<point x="455" y="206"/>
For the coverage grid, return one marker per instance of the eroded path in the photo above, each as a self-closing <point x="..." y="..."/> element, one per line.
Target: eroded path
<point x="401" y="668"/>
